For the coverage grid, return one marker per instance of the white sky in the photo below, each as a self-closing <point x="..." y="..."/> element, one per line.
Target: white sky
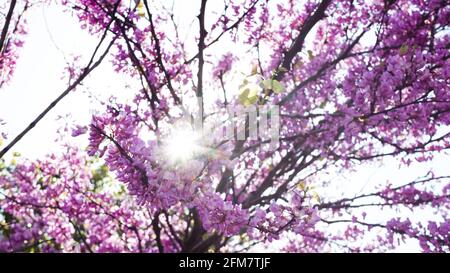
<point x="37" y="81"/>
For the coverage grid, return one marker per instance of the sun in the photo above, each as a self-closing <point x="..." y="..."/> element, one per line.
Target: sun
<point x="182" y="145"/>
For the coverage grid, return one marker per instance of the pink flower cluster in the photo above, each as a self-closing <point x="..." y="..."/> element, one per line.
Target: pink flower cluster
<point x="432" y="238"/>
<point x="13" y="40"/>
<point x="53" y="205"/>
<point x="224" y="65"/>
<point x="222" y="216"/>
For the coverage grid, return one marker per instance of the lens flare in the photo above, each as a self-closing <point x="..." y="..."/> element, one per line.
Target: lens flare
<point x="182" y="145"/>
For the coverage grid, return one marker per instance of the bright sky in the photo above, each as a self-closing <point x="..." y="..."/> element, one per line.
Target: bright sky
<point x="54" y="36"/>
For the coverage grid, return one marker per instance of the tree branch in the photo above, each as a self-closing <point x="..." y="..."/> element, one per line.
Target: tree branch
<point x="86" y="71"/>
<point x="6" y="25"/>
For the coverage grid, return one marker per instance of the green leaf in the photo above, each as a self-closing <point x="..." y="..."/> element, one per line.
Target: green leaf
<point x="315" y="196"/>
<point x="266" y="84"/>
<point x="277" y="87"/>
<point x="282" y="69"/>
<point x="403" y="50"/>
<point x="274" y="85"/>
<point x="248" y="95"/>
<point x="254" y="70"/>
<point x="244" y="83"/>
<point x="140" y="9"/>
<point x="301" y="186"/>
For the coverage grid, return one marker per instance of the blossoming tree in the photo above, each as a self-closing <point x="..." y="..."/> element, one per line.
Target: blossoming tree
<point x="342" y="82"/>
